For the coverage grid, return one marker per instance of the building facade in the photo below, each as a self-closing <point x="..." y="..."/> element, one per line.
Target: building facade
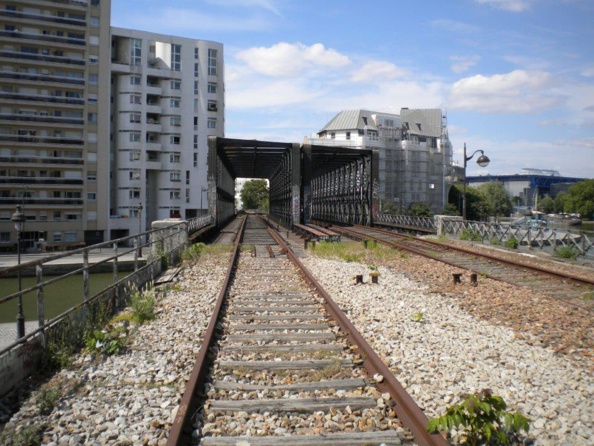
<point x="54" y="121"/>
<point x="167" y="97"/>
<point x="415" y="154"/>
<point x="102" y="129"/>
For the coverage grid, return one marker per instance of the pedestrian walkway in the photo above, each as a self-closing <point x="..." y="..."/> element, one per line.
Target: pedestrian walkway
<point x="8" y="332"/>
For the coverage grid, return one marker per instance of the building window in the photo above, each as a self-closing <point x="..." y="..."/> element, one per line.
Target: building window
<point x="92" y="117"/>
<point x="348" y="135"/>
<point x="195" y="160"/>
<point x="134" y="194"/>
<point x="187" y="177"/>
<point x="92" y="215"/>
<point x="70" y="236"/>
<point x="91" y="175"/>
<point x="174" y="103"/>
<point x="212" y="62"/>
<point x="93" y="79"/>
<point x="135" y="118"/>
<point x="94" y="21"/>
<point x="196" y="87"/>
<point x="134" y="156"/>
<point x="57" y="236"/>
<point x="174" y="158"/>
<point x="176" y="57"/>
<point x="174" y="195"/>
<point x="134" y="136"/>
<point x="135" y="175"/>
<point x="174" y="139"/>
<point x="135" y="51"/>
<point x="174" y="176"/>
<point x="175" y="121"/>
<point x="212" y="106"/>
<point x="135" y="99"/>
<point x="135" y="80"/>
<point x="212" y="87"/>
<point x="91" y="196"/>
<point x="195" y="142"/>
<point x="93" y="60"/>
<point x="196" y="69"/>
<point x="212" y="123"/>
<point x="91" y="99"/>
<point x="176" y="85"/>
<point x="196" y="53"/>
<point x="57" y="215"/>
<point x="332" y="135"/>
<point x="195" y="122"/>
<point x="95" y="3"/>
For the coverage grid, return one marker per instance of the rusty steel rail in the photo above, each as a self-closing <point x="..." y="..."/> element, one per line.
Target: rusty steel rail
<point x="540" y="269"/>
<point x="203" y="362"/>
<point x="406" y="408"/>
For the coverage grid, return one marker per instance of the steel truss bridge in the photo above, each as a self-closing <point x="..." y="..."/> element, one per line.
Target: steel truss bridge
<point x="307" y="182"/>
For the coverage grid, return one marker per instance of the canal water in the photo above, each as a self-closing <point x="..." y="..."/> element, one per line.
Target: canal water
<point x="58" y="297"/>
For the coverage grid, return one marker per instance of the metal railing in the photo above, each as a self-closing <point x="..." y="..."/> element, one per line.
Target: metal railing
<point x="162" y="247"/>
<point x="426" y="223"/>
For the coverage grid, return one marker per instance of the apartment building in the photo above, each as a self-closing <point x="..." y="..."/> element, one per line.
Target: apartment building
<point x="167" y="97"/>
<point x="415" y="154"/>
<point x="102" y="130"/>
<point x="54" y="69"/>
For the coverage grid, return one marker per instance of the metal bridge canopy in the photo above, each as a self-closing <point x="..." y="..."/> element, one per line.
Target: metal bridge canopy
<point x="341" y="180"/>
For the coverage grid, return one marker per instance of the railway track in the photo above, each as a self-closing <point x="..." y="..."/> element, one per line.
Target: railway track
<point x="575" y="290"/>
<point x="281" y="364"/>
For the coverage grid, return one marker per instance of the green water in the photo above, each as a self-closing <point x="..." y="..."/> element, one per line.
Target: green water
<point x="58" y="297"/>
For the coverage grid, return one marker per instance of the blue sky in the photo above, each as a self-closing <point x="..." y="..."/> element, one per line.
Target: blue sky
<point x="516" y="77"/>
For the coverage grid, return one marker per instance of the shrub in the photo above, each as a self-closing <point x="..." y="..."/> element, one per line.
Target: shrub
<point x="495" y="241"/>
<point x="106" y="342"/>
<point x="193" y="252"/>
<point x="566" y="252"/>
<point x="484" y="419"/>
<point x="512" y="243"/>
<point x="469" y="234"/>
<point x="143" y="304"/>
<point x="46" y="401"/>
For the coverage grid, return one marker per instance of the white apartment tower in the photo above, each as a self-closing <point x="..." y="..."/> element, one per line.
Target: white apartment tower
<point x="415" y="154"/>
<point x="167" y="97"/>
<point x="54" y="77"/>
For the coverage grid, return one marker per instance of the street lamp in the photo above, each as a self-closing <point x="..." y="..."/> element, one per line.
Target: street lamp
<point x="139" y="229"/>
<point x="203" y="189"/>
<point x="482" y="161"/>
<point x="18" y="218"/>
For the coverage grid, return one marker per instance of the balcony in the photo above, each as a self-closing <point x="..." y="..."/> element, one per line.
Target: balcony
<point x="41" y="57"/>
<point x="31" y="201"/>
<point x="41" y="181"/>
<point x="42" y="17"/>
<point x="41" y="78"/>
<point x="48" y="140"/>
<point x="44" y="38"/>
<point x="42" y="98"/>
<point x="41" y="160"/>
<point x="40" y="119"/>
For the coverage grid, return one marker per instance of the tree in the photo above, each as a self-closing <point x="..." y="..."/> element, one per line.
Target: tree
<point x="254" y="195"/>
<point x="450" y="209"/>
<point x="580" y="199"/>
<point x="546" y="205"/>
<point x="560" y="202"/>
<point x="476" y="204"/>
<point x="497" y="198"/>
<point x="419" y="209"/>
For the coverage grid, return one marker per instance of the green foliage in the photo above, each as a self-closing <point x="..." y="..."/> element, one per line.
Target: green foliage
<point x="469" y="234"/>
<point x="390" y="207"/>
<point x="580" y="199"/>
<point x="419" y="209"/>
<point x="193" y="252"/>
<point x="546" y="205"/>
<point x="495" y="241"/>
<point x="497" y="199"/>
<point x="451" y="209"/>
<point x="142" y="303"/>
<point x="477" y="208"/>
<point x="560" y="202"/>
<point x="30" y="435"/>
<point x="485" y="419"/>
<point x="566" y="252"/>
<point x="254" y="195"/>
<point x="106" y="342"/>
<point x="417" y="317"/>
<point x="512" y="243"/>
<point x="47" y="399"/>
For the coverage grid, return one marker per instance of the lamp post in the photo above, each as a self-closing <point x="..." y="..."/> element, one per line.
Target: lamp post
<point x="203" y="189"/>
<point x="482" y="161"/>
<point x="139" y="229"/>
<point x="18" y="218"/>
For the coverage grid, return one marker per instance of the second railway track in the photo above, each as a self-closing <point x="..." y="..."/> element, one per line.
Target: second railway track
<point x="570" y="288"/>
<point x="282" y="369"/>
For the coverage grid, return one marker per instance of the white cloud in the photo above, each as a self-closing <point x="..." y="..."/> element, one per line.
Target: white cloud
<point x="508" y="5"/>
<point x="291" y="60"/>
<point x="376" y="70"/>
<point x="461" y="64"/>
<point x="516" y="92"/>
<point x="269" y="5"/>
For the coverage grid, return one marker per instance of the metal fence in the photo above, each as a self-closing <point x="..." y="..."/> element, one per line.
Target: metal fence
<point x="544" y="238"/>
<point x="162" y="246"/>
